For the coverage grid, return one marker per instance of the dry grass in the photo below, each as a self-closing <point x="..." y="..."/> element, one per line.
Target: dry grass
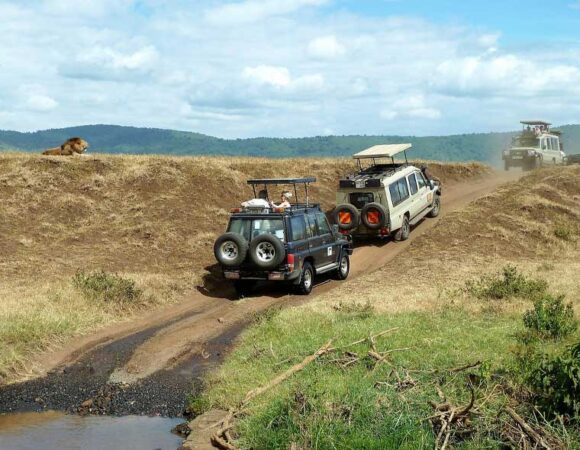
<point x="150" y="218"/>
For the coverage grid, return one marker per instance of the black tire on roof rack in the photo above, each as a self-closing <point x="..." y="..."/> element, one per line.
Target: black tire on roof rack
<point x="267" y="251"/>
<point x="230" y="249"/>
<point x="374" y="208"/>
<point x="341" y="212"/>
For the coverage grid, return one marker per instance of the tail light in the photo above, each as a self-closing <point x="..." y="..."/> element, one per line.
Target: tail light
<point x="384" y="231"/>
<point x="344" y="217"/>
<point x="279" y="210"/>
<point x="345" y="232"/>
<point x="290" y="261"/>
<point x="236" y="210"/>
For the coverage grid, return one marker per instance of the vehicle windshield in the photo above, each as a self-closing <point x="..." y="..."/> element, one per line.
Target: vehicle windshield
<point x="251" y="228"/>
<point x="526" y="140"/>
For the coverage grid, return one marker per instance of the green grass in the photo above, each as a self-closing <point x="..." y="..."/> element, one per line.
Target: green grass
<point x="327" y="406"/>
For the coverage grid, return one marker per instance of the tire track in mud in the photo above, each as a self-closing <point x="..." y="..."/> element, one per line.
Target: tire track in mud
<point x="149" y="365"/>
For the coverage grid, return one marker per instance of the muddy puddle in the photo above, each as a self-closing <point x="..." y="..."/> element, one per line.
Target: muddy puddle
<point x="54" y="430"/>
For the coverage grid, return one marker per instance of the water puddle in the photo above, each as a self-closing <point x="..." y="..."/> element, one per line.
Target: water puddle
<point x="54" y="430"/>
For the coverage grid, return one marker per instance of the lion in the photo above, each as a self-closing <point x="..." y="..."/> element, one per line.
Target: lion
<point x="69" y="148"/>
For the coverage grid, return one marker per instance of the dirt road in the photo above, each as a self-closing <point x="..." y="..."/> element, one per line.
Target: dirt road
<point x="158" y="355"/>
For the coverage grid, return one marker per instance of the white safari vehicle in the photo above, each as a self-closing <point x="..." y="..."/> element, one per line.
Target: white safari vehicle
<point x="534" y="147"/>
<point x="387" y="198"/>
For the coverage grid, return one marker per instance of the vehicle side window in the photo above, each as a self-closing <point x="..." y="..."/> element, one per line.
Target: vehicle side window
<point x="399" y="191"/>
<point x="394" y="191"/>
<point x="413" y="183"/>
<point x="403" y="189"/>
<point x="421" y="180"/>
<point x="312" y="228"/>
<point x="298" y="228"/>
<point x="323" y="227"/>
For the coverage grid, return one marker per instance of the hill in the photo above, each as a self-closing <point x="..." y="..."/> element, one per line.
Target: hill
<point x="116" y="139"/>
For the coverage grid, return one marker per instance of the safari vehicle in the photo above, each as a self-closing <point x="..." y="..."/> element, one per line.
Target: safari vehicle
<point x="385" y="199"/>
<point x="293" y="244"/>
<point x="534" y="147"/>
<point x="573" y="159"/>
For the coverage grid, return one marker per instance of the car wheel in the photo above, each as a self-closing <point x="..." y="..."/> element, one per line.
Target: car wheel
<point x="343" y="267"/>
<point x="306" y="279"/>
<point x="244" y="287"/>
<point x="230" y="249"/>
<point x="436" y="209"/>
<point x="402" y="234"/>
<point x="267" y="251"/>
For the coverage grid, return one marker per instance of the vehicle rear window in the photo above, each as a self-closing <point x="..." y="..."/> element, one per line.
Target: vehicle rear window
<point x="252" y="228"/>
<point x="413" y="183"/>
<point x="298" y="228"/>
<point x="360" y="199"/>
<point x="399" y="191"/>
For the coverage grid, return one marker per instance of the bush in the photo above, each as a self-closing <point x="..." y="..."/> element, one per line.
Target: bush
<point x="550" y="318"/>
<point x="507" y="283"/>
<point x="564" y="232"/>
<point x="106" y="287"/>
<point x="556" y="383"/>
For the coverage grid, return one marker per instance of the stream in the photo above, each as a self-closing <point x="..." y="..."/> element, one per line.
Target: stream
<point x="55" y="430"/>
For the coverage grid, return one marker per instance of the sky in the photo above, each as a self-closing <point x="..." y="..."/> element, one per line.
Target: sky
<point x="290" y="68"/>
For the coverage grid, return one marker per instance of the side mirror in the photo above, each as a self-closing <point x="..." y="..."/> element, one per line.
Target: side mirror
<point x="335" y="229"/>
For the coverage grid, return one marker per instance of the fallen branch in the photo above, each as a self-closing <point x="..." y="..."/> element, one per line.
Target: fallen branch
<point x="467" y="366"/>
<point x="527" y="428"/>
<point x="226" y="423"/>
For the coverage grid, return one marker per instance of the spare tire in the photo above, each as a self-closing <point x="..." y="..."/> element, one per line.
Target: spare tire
<point x="230" y="249"/>
<point x="346" y="216"/>
<point x="374" y="216"/>
<point x="267" y="251"/>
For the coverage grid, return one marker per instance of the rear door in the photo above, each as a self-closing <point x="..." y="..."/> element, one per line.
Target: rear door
<point x="299" y="244"/>
<point x="317" y="248"/>
<point x="330" y="254"/>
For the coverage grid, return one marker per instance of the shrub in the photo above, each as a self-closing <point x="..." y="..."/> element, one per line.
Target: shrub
<point x="564" y="232"/>
<point x="556" y="383"/>
<point x="507" y="283"/>
<point x="106" y="287"/>
<point x="550" y="318"/>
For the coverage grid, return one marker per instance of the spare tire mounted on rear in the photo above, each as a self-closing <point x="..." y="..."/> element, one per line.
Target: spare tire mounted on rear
<point x="230" y="249"/>
<point x="267" y="251"/>
<point x="346" y="216"/>
<point x="374" y="216"/>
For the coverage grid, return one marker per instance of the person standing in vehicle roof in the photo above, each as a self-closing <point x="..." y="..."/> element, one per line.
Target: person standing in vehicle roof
<point x="428" y="174"/>
<point x="260" y="202"/>
<point x="285" y="203"/>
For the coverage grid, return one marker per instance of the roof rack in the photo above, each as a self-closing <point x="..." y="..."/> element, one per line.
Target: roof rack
<point x="535" y="122"/>
<point x="284" y="181"/>
<point x="383" y="151"/>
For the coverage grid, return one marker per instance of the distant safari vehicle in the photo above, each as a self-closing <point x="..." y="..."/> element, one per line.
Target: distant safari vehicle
<point x="291" y="244"/>
<point x="573" y="159"/>
<point x="385" y="199"/>
<point x="534" y="147"/>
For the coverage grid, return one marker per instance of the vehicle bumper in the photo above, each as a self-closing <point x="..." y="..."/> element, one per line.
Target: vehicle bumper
<point x="272" y="275"/>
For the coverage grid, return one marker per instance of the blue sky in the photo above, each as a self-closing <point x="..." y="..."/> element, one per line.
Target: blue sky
<point x="249" y="68"/>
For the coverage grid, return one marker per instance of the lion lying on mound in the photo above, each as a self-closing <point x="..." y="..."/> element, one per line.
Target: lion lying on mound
<point x="70" y="147"/>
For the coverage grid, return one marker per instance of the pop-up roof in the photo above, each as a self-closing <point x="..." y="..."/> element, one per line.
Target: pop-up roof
<point x="382" y="151"/>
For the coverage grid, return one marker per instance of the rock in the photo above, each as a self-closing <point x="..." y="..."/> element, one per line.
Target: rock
<point x="201" y="430"/>
<point x="182" y="429"/>
<point x="87" y="403"/>
<point x="221" y="320"/>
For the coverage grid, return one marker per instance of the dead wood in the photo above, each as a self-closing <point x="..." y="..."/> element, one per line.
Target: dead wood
<point x="527" y="428"/>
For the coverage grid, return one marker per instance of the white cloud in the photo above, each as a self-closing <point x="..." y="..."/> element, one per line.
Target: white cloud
<point x="41" y="103"/>
<point x="255" y="10"/>
<point x="278" y="77"/>
<point x="413" y="106"/>
<point x="326" y="47"/>
<point x="109" y="58"/>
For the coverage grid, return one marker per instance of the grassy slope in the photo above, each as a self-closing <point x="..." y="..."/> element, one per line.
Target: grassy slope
<point x="153" y="219"/>
<point x="440" y="326"/>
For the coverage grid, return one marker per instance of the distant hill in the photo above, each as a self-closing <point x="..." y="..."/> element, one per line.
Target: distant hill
<point x="118" y="139"/>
